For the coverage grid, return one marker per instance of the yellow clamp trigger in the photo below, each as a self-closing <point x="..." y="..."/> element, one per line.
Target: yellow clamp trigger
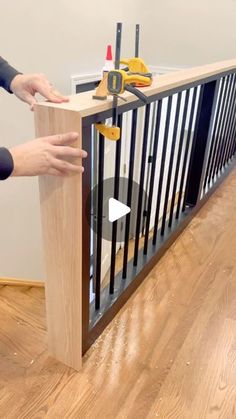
<point x="135" y="65"/>
<point x="112" y="133"/>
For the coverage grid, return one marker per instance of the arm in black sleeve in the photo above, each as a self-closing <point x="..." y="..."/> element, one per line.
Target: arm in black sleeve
<point x="7" y="74"/>
<point x="6" y="163"/>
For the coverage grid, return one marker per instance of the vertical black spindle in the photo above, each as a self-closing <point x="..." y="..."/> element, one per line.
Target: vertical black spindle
<point x="186" y="151"/>
<point x="116" y="196"/>
<point x="227" y="124"/>
<point x="232" y="148"/>
<point x="214" y="140"/>
<point x="231" y="122"/>
<point x="99" y="220"/>
<point x="220" y="141"/>
<point x="180" y="148"/>
<point x="152" y="176"/>
<point x="162" y="169"/>
<point x="230" y="151"/>
<point x="233" y="125"/>
<point x="201" y="141"/>
<point x="172" y="153"/>
<point x="221" y="134"/>
<point x="129" y="192"/>
<point x="150" y="147"/>
<point x="216" y="131"/>
<point x="141" y="183"/>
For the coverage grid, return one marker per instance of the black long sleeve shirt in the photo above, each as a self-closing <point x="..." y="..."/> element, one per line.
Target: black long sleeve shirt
<point x="7" y="74"/>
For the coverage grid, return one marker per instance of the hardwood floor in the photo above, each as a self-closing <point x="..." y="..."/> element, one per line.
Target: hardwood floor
<point x="169" y="353"/>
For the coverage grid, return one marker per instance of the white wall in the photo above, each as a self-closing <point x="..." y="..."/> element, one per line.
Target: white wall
<point x="188" y="32"/>
<point x="60" y="38"/>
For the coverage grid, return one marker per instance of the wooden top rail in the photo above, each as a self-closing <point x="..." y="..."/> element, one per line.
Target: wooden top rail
<point x="85" y="105"/>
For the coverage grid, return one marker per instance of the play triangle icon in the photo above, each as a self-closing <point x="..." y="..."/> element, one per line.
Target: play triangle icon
<point x="116" y="210"/>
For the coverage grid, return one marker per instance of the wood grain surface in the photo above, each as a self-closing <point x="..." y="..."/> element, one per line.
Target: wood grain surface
<point x="61" y="214"/>
<point x="169" y="353"/>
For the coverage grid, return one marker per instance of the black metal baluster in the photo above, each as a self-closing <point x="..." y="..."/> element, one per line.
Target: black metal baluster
<point x="172" y="153"/>
<point x="216" y="132"/>
<point x="220" y="140"/>
<point x="177" y="167"/>
<point x="141" y="183"/>
<point x="200" y="144"/>
<point x="228" y="100"/>
<point x="153" y="169"/>
<point x="230" y="151"/>
<point x="129" y="192"/>
<point x="231" y="125"/>
<point x="232" y="148"/>
<point x="234" y="134"/>
<point x="116" y="196"/>
<point x="214" y="140"/>
<point x="163" y="159"/>
<point x="233" y="128"/>
<point x="186" y="152"/>
<point x="99" y="220"/>
<point x="150" y="147"/>
<point x="228" y="123"/>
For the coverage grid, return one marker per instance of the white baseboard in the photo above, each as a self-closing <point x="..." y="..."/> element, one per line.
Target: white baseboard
<point x="21" y="282"/>
<point x="77" y="79"/>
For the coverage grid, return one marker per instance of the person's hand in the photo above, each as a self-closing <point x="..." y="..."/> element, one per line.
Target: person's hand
<point x="25" y="86"/>
<point x="51" y="155"/>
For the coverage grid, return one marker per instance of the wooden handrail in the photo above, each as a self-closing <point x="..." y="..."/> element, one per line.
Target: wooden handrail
<point x="86" y="106"/>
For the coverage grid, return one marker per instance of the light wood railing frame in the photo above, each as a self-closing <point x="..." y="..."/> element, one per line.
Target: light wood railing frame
<point x="61" y="209"/>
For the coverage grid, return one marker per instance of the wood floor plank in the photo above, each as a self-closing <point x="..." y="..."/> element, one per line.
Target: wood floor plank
<point x="169" y="353"/>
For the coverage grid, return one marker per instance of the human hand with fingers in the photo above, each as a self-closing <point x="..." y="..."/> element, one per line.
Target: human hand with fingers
<point x="52" y="155"/>
<point x="25" y="86"/>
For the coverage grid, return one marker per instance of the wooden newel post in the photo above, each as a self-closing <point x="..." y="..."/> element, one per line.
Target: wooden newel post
<point x="61" y="213"/>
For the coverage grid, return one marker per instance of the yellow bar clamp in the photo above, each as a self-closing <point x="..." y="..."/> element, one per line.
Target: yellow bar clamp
<point x="112" y="133"/>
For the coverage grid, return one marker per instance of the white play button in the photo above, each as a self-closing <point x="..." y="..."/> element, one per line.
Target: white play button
<point x="116" y="210"/>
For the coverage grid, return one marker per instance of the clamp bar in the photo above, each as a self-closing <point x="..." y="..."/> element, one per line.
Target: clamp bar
<point x="117" y="66"/>
<point x="136" y="52"/>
